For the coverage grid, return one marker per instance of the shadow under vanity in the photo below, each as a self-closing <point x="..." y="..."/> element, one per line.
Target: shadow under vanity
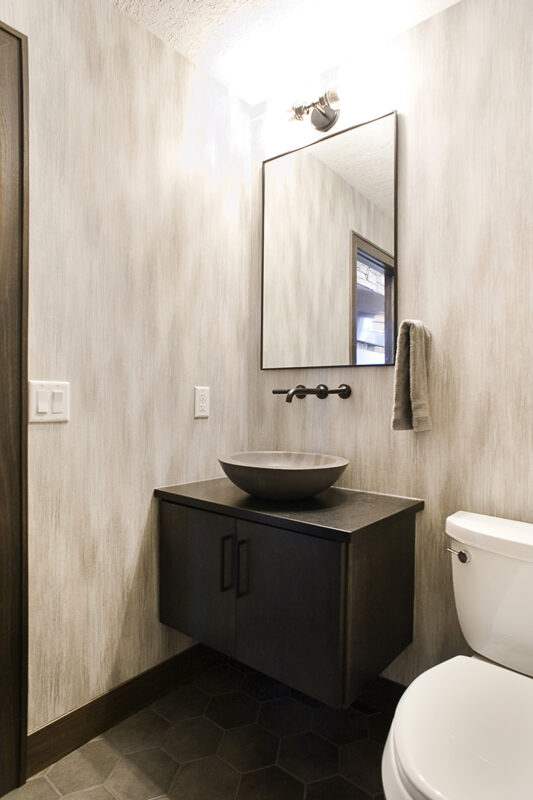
<point x="317" y="594"/>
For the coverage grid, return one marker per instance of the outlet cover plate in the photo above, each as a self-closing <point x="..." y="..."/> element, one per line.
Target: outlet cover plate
<point x="201" y="402"/>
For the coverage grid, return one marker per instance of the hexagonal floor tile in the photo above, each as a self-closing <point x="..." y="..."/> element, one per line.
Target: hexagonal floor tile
<point x="285" y="716"/>
<point x="138" y="732"/>
<point x="249" y="748"/>
<point x="308" y="757"/>
<point x="340" y="726"/>
<point x="35" y="789"/>
<point x="184" y="703"/>
<point x="88" y="766"/>
<point x="192" y="738"/>
<point x="263" y="688"/>
<point x="96" y="793"/>
<point x="143" y="775"/>
<point x="336" y="788"/>
<point x="360" y="762"/>
<point x="206" y="779"/>
<point x="232" y="710"/>
<point x="271" y="783"/>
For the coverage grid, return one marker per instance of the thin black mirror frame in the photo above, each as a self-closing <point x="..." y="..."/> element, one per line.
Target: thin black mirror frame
<point x="394" y="114"/>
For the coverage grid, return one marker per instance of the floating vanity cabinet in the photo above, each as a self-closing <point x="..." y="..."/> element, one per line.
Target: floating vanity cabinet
<point x="317" y="594"/>
<point x="288" y="622"/>
<point x="196" y="574"/>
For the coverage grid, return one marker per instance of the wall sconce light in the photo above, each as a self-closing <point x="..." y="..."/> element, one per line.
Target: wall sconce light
<point x="323" y="115"/>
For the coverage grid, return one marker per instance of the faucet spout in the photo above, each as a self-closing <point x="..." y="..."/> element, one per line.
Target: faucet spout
<point x="321" y="391"/>
<point x="299" y="391"/>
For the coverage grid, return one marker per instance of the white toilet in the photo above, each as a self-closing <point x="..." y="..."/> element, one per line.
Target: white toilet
<point x="463" y="730"/>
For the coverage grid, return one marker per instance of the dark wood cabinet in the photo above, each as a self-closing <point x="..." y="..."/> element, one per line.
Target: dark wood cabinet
<point x="196" y="598"/>
<point x="288" y="622"/>
<point x="320" y="608"/>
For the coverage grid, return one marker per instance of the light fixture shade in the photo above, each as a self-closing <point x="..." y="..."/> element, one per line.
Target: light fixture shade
<point x="324" y="117"/>
<point x="322" y="112"/>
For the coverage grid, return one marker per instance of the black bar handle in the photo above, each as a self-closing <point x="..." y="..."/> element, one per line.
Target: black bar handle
<point x="226" y="563"/>
<point x="242" y="568"/>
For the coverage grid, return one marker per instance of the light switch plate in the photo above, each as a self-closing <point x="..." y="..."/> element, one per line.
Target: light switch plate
<point x="201" y="402"/>
<point x="49" y="401"/>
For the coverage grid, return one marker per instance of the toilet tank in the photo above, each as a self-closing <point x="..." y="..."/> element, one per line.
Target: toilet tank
<point x="494" y="587"/>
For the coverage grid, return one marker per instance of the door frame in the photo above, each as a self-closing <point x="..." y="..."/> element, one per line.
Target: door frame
<point x="14" y="546"/>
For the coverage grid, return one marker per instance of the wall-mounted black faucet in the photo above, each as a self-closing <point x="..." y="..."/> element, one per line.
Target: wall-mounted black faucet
<point x="321" y="391"/>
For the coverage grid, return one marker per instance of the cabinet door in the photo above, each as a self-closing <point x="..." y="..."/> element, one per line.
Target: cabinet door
<point x="289" y="614"/>
<point x="196" y="568"/>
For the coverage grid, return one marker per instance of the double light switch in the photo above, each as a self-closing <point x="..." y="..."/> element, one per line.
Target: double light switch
<point x="49" y="401"/>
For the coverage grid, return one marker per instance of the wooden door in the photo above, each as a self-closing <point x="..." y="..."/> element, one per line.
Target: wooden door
<point x="13" y="419"/>
<point x="196" y="557"/>
<point x="290" y="609"/>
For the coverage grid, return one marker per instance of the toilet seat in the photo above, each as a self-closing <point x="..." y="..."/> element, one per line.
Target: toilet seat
<point x="463" y="730"/>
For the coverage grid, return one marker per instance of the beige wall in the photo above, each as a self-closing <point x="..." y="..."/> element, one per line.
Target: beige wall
<point x="139" y="259"/>
<point x="464" y="95"/>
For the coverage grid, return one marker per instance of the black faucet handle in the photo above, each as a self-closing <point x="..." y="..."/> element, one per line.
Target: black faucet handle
<point x="344" y="391"/>
<point x="321" y="391"/>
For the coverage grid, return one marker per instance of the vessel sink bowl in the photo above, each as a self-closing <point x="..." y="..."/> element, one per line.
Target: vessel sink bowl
<point x="282" y="475"/>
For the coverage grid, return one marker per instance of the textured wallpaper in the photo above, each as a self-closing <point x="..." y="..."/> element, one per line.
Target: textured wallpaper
<point x="139" y="272"/>
<point x="310" y="212"/>
<point x="465" y="240"/>
<point x="143" y="283"/>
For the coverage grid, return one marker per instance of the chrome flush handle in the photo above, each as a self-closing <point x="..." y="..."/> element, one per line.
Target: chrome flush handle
<point x="463" y="555"/>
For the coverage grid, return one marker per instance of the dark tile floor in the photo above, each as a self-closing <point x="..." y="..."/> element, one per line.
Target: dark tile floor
<point x="230" y="734"/>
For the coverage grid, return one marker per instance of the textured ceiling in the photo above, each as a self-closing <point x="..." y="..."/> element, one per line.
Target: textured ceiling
<point x="364" y="158"/>
<point x="259" y="47"/>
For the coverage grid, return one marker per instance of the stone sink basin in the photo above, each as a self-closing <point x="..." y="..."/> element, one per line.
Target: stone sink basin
<point x="282" y="475"/>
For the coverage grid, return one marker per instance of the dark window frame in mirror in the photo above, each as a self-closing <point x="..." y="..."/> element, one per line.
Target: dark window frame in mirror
<point x="379" y="262"/>
<point x="393" y="332"/>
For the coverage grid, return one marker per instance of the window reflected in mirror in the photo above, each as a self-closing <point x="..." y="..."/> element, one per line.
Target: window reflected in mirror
<point x="373" y="324"/>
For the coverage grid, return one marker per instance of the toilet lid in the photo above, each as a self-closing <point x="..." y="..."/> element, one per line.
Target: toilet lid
<point x="463" y="730"/>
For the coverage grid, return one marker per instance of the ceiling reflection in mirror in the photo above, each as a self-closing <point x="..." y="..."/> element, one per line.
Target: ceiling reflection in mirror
<point x="329" y="242"/>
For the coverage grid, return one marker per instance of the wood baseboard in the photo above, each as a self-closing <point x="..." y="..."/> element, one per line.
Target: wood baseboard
<point x="63" y="735"/>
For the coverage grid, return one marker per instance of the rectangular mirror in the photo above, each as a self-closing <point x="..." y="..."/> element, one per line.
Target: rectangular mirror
<point x="329" y="251"/>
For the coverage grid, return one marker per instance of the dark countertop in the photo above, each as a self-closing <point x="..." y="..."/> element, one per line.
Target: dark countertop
<point x="335" y="514"/>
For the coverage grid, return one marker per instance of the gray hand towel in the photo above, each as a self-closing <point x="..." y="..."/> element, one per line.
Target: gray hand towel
<point x="411" y="406"/>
